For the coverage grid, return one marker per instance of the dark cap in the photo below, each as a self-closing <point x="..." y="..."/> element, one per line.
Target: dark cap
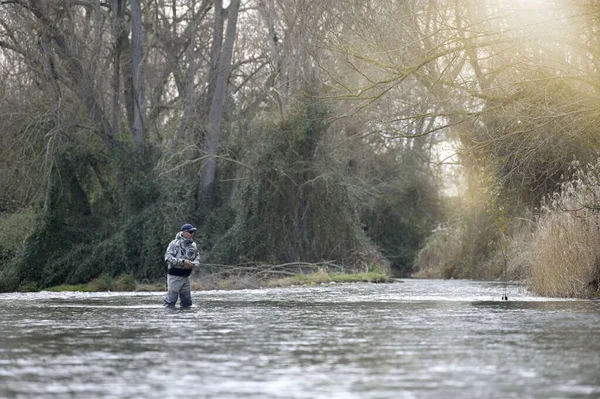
<point x="188" y="227"/>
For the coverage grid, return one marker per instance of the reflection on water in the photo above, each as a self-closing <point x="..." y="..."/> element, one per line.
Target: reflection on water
<point x="411" y="339"/>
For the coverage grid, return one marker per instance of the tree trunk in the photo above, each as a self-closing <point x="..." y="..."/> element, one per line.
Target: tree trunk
<point x="215" y="52"/>
<point x="139" y="133"/>
<point x="215" y="116"/>
<point x="187" y="110"/>
<point x="117" y="8"/>
<point x="279" y="63"/>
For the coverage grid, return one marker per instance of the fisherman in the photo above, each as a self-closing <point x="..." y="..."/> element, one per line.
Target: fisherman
<point x="181" y="257"/>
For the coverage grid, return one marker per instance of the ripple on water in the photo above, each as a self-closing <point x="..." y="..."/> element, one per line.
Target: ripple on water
<point x="411" y="339"/>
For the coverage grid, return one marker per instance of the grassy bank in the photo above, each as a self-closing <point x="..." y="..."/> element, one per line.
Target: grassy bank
<point x="105" y="282"/>
<point x="127" y="283"/>
<point x="325" y="278"/>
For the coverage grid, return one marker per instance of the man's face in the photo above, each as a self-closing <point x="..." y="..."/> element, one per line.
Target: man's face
<point x="189" y="234"/>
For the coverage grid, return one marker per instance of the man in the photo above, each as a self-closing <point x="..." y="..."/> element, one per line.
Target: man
<point x="181" y="257"/>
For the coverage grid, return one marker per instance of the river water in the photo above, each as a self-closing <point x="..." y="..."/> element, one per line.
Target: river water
<point x="409" y="339"/>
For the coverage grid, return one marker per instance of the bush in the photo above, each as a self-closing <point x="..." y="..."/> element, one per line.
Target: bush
<point x="28" y="286"/>
<point x="124" y="282"/>
<point x="439" y="257"/>
<point x="462" y="249"/>
<point x="294" y="204"/>
<point x="15" y="228"/>
<point x="566" y="245"/>
<point x="101" y="216"/>
<point x="103" y="283"/>
<point x="9" y="277"/>
<point x="403" y="213"/>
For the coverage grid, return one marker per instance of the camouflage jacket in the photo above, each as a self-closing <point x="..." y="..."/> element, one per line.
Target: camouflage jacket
<point x="181" y="249"/>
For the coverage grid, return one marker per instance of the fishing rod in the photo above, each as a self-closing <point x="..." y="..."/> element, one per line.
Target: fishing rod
<point x="166" y="266"/>
<point x="505" y="267"/>
<point x="505" y="296"/>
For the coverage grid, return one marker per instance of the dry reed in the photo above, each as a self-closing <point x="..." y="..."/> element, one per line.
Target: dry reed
<point x="566" y="245"/>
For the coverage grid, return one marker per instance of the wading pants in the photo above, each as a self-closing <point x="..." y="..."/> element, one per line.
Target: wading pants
<point x="178" y="286"/>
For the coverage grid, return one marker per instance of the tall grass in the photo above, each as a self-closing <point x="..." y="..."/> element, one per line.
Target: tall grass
<point x="440" y="255"/>
<point x="478" y="251"/>
<point x="566" y="245"/>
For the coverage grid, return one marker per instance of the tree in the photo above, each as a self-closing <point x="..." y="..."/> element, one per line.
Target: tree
<point x="222" y="70"/>
<point x="139" y="108"/>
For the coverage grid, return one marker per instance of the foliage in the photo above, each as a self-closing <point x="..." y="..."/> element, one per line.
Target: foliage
<point x="439" y="258"/>
<point x="459" y="250"/>
<point x="530" y="150"/>
<point x="404" y="211"/>
<point x="515" y="157"/>
<point x="82" y="139"/>
<point x="15" y="229"/>
<point x="293" y="204"/>
<point x="99" y="218"/>
<point x="467" y="246"/>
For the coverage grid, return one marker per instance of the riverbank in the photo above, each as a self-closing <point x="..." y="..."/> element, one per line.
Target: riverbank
<point x="127" y="282"/>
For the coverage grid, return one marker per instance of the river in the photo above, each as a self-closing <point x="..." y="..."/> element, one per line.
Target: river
<point x="409" y="339"/>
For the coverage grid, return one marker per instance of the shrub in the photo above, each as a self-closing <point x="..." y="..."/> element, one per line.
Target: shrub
<point x="28" y="286"/>
<point x="294" y="203"/>
<point x="103" y="283"/>
<point x="402" y="214"/>
<point x="115" y="224"/>
<point x="438" y="258"/>
<point x="15" y="228"/>
<point x="124" y="282"/>
<point x="462" y="249"/>
<point x="9" y="277"/>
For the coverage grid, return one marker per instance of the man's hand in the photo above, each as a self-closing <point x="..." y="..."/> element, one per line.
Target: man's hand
<point x="187" y="264"/>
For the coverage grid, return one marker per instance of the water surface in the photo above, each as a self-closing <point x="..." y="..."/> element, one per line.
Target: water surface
<point x="409" y="339"/>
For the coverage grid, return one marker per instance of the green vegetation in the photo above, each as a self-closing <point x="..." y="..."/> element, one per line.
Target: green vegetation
<point x="326" y="278"/>
<point x="555" y="250"/>
<point x="15" y="228"/>
<point x="89" y="228"/>
<point x="294" y="203"/>
<point x="401" y="217"/>
<point x="325" y="149"/>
